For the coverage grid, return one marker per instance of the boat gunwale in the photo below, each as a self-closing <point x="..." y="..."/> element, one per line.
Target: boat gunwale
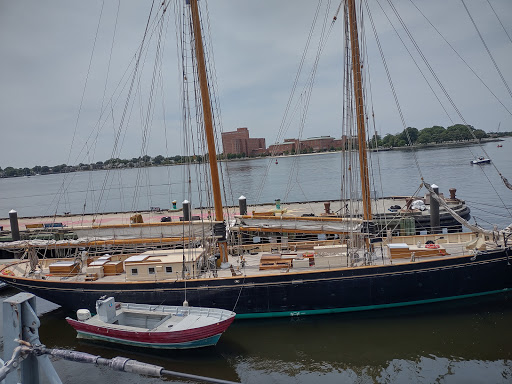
<point x="406" y="267"/>
<point x="188" y="335"/>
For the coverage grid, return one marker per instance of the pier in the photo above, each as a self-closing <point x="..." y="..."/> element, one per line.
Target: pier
<point x="164" y="226"/>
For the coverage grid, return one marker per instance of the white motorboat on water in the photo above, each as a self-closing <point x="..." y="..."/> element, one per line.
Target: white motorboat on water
<point x="481" y="160"/>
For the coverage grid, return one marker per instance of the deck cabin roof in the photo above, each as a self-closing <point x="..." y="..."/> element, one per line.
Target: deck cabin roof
<point x="168" y="255"/>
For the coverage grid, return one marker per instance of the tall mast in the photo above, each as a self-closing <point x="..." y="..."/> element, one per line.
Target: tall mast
<point x="207" y="111"/>
<point x="358" y="92"/>
<point x="208" y="126"/>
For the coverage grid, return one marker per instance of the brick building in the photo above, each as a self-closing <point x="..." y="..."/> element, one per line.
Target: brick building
<point x="317" y="144"/>
<point x="314" y="144"/>
<point x="237" y="142"/>
<point x="288" y="146"/>
<point x="340" y="143"/>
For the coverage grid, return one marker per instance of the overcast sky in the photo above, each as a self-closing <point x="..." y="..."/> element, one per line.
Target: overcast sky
<point x="46" y="48"/>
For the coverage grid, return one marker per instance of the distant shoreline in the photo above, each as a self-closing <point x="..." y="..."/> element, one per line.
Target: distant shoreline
<point x="383" y="149"/>
<point x="444" y="144"/>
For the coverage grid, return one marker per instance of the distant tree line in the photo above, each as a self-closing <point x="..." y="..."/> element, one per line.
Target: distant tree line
<point x="432" y="135"/>
<point x="114" y="163"/>
<point x="409" y="136"/>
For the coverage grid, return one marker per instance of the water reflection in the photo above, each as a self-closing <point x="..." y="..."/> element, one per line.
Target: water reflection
<point x="466" y="342"/>
<point x="421" y="345"/>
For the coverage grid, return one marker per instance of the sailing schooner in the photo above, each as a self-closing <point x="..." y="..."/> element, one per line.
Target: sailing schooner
<point x="354" y="271"/>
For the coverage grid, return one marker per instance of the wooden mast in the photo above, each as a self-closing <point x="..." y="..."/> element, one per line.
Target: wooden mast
<point x="358" y="92"/>
<point x="208" y="123"/>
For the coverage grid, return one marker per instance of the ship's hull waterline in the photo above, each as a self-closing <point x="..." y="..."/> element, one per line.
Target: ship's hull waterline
<point x="301" y="293"/>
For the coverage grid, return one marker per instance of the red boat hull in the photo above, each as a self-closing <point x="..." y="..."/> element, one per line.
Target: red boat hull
<point x="190" y="338"/>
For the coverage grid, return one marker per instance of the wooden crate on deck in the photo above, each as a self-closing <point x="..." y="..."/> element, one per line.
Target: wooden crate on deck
<point x="274" y="262"/>
<point x="91" y="277"/>
<point x="399" y="250"/>
<point x="113" y="268"/>
<point x="64" y="268"/>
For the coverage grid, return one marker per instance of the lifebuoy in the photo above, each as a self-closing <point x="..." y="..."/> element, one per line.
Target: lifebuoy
<point x="7" y="272"/>
<point x="432" y="246"/>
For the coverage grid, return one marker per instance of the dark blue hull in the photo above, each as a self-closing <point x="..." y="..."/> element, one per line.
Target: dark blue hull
<point x="313" y="292"/>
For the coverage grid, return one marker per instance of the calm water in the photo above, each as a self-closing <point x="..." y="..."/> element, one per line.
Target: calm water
<point x="441" y="344"/>
<point x="434" y="344"/>
<point x="305" y="178"/>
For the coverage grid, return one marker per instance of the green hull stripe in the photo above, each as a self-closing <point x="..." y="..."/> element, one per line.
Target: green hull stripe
<point x="362" y="308"/>
<point x="192" y="344"/>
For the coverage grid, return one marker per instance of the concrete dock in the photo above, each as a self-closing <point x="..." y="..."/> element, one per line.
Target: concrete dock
<point x="319" y="208"/>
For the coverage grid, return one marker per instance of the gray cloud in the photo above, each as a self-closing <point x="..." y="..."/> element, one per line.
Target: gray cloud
<point x="46" y="49"/>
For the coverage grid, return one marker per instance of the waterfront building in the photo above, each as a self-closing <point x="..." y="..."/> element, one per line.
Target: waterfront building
<point x="238" y="142"/>
<point x="313" y="144"/>
<point x="289" y="146"/>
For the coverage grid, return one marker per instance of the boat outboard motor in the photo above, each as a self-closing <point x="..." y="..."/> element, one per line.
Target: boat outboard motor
<point x="106" y="309"/>
<point x="83" y="314"/>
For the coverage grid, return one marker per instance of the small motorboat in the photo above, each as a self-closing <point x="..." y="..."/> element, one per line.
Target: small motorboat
<point x="481" y="160"/>
<point x="499" y="145"/>
<point x="153" y="326"/>
<point x="394" y="208"/>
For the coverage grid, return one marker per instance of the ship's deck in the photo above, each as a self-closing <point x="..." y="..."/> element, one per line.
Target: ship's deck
<point x="298" y="261"/>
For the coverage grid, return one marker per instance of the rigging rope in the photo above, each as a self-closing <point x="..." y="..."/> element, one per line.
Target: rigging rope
<point x="123" y="117"/>
<point x="487" y="49"/>
<point x="461" y="58"/>
<point x="63" y="188"/>
<point x="375" y="135"/>
<point x="87" y="147"/>
<point x="504" y="29"/>
<point x="441" y="86"/>
<point x="432" y="73"/>
<point x="474" y="228"/>
<point x="86" y="82"/>
<point x="303" y="101"/>
<point x="282" y="129"/>
<point x="308" y="91"/>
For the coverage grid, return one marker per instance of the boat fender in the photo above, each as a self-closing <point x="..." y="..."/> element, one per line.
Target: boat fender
<point x="83" y="314"/>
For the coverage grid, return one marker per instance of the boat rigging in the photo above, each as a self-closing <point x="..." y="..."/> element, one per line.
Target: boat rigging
<point x="344" y="270"/>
